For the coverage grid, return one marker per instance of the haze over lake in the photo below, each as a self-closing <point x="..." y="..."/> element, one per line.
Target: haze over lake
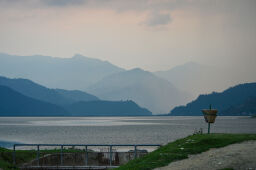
<point x="114" y="130"/>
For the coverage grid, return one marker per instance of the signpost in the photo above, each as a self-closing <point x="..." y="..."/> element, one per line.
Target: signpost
<point x="210" y="116"/>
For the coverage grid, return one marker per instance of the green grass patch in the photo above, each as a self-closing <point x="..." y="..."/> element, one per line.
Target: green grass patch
<point x="180" y="149"/>
<point x="24" y="156"/>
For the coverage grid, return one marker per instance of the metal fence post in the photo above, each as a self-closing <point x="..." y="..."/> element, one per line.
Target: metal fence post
<point x="110" y="155"/>
<point x="61" y="155"/>
<point x="86" y="156"/>
<point x="38" y="155"/>
<point x="135" y="151"/>
<point x="14" y="155"/>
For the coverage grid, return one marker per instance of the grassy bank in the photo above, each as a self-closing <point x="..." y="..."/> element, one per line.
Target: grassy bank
<point x="180" y="149"/>
<point x="23" y="156"/>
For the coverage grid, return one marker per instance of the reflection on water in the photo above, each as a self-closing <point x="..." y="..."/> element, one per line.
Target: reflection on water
<point x="113" y="130"/>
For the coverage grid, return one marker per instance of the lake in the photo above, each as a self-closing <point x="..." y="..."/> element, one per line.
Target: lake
<point x="113" y="130"/>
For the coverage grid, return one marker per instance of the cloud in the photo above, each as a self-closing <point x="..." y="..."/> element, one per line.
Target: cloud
<point x="157" y="19"/>
<point x="154" y="8"/>
<point x="60" y="3"/>
<point x="40" y="3"/>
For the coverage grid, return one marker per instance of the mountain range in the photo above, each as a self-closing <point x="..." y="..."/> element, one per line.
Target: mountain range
<point x="69" y="79"/>
<point x="22" y="97"/>
<point x="143" y="87"/>
<point x="39" y="92"/>
<point x="74" y="73"/>
<point x="97" y="77"/>
<point x="237" y="100"/>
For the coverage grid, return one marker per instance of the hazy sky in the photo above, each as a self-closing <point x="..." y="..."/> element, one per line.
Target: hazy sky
<point x="151" y="34"/>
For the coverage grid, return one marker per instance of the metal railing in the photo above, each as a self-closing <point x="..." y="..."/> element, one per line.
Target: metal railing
<point x="85" y="146"/>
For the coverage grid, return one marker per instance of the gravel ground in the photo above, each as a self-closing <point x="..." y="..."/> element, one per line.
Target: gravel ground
<point x="237" y="156"/>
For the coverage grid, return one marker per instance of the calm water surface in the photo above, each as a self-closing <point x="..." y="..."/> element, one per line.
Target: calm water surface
<point x="113" y="130"/>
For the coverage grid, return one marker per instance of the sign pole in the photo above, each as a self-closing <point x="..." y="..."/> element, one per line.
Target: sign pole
<point x="209" y="126"/>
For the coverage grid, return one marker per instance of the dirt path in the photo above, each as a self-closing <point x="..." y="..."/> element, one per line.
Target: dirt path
<point x="237" y="156"/>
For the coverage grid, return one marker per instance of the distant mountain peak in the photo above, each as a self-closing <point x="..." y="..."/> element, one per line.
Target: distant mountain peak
<point x="77" y="72"/>
<point x="137" y="70"/>
<point x="141" y="86"/>
<point x="79" y="56"/>
<point x="82" y="57"/>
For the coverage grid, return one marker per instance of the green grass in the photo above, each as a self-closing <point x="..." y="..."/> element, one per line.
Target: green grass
<point x="180" y="149"/>
<point x="23" y="156"/>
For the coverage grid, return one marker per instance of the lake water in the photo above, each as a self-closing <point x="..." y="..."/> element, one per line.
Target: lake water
<point x="113" y="130"/>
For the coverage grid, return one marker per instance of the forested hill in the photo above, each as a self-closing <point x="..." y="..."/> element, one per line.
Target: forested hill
<point x="16" y="104"/>
<point x="223" y="101"/>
